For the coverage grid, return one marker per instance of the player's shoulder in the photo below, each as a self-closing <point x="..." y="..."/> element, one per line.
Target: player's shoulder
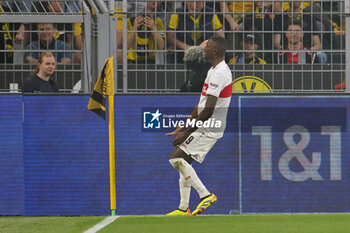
<point x="223" y="66"/>
<point x="224" y="70"/>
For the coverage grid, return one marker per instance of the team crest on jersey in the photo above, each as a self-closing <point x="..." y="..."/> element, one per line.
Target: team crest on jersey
<point x="250" y="84"/>
<point x="204" y="89"/>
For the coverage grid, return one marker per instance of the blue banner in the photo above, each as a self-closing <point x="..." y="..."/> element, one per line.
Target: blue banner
<point x="65" y="157"/>
<point x="11" y="156"/>
<point x="294" y="154"/>
<point x="145" y="177"/>
<point x="279" y="154"/>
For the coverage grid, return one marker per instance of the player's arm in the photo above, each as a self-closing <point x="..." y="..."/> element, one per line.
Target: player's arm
<point x="178" y="129"/>
<point x="206" y="113"/>
<point x="203" y="116"/>
<point x="194" y="113"/>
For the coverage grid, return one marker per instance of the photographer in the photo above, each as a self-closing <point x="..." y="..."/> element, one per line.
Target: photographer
<point x="197" y="65"/>
<point x="145" y="35"/>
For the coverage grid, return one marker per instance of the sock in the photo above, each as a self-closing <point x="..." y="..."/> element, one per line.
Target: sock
<point x="185" y="192"/>
<point x="190" y="175"/>
<point x="204" y="198"/>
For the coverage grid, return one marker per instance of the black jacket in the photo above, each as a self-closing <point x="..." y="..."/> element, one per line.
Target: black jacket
<point x="36" y="84"/>
<point x="306" y="58"/>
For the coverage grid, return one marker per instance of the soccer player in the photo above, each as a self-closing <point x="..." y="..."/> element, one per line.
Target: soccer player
<point x="195" y="142"/>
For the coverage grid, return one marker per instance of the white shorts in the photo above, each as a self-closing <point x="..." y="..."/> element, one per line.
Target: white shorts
<point x="197" y="145"/>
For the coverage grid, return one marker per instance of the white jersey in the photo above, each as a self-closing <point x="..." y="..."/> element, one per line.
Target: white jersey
<point x="218" y="83"/>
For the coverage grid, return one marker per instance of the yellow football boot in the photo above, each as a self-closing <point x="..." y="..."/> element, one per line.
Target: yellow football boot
<point x="205" y="203"/>
<point x="179" y="212"/>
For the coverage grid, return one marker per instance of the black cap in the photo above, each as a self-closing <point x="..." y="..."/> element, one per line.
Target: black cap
<point x="251" y="38"/>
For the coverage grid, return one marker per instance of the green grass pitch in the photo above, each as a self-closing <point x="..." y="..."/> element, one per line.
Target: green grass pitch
<point x="267" y="223"/>
<point x="21" y="224"/>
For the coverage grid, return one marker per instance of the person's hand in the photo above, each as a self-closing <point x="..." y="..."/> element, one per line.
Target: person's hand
<point x="315" y="48"/>
<point x="279" y="47"/>
<point x="235" y="26"/>
<point x="204" y="43"/>
<point x="175" y="132"/>
<point x="180" y="138"/>
<point x="138" y="21"/>
<point x="149" y="22"/>
<point x="19" y="38"/>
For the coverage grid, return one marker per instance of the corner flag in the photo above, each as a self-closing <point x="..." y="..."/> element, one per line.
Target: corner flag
<point x="104" y="86"/>
<point x="97" y="104"/>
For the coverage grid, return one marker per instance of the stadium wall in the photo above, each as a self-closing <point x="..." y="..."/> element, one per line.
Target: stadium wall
<point x="284" y="154"/>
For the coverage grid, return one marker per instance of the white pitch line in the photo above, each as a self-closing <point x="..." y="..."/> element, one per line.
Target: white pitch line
<point x="101" y="224"/>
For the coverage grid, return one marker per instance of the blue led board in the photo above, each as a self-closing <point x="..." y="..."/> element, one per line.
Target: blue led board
<point x="65" y="157"/>
<point x="290" y="156"/>
<point x="11" y="156"/>
<point x="145" y="177"/>
<point x="295" y="154"/>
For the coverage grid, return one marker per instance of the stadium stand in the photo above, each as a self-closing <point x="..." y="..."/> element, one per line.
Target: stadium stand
<point x="89" y="27"/>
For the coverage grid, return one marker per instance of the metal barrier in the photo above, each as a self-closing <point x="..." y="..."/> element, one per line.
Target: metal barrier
<point x="24" y="36"/>
<point x="257" y="42"/>
<point x="260" y="41"/>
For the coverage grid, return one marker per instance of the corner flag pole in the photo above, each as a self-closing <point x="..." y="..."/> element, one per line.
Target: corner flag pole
<point x="111" y="129"/>
<point x="97" y="104"/>
<point x="111" y="153"/>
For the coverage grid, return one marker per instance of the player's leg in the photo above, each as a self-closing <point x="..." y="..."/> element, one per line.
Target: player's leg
<point x="185" y="186"/>
<point x="195" y="147"/>
<point x="185" y="192"/>
<point x="181" y="162"/>
<point x="182" y="157"/>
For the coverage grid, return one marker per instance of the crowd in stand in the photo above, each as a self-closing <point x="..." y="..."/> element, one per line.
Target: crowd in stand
<point x="259" y="32"/>
<point x="60" y="38"/>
